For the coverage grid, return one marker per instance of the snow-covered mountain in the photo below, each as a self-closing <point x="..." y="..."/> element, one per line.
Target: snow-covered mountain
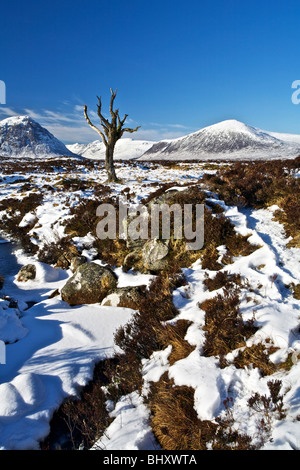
<point x="126" y="149"/>
<point x="229" y="139"/>
<point x="21" y="136"/>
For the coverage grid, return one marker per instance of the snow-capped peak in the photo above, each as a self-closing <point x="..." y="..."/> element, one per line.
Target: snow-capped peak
<point x="15" y="121"/>
<point x="232" y="126"/>
<point x="224" y="140"/>
<point x="21" y="136"/>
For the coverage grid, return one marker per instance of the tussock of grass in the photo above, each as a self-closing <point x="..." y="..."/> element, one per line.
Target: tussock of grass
<point x="174" y="335"/>
<point x="257" y="355"/>
<point x="176" y="425"/>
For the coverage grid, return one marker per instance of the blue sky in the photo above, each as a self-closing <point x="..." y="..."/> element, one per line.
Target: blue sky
<point x="178" y="66"/>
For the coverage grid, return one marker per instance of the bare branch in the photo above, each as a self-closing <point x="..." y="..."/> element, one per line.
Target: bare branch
<point x="92" y="125"/>
<point x="104" y="122"/>
<point x="123" y="120"/>
<point x="127" y="129"/>
<point x="113" y="95"/>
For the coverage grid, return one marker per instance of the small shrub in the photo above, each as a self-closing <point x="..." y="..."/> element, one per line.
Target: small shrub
<point x="227" y="435"/>
<point x="72" y="184"/>
<point x="267" y="408"/>
<point x="289" y="216"/>
<point x="58" y="253"/>
<point x="210" y="258"/>
<point x="141" y="334"/>
<point x="224" y="327"/>
<point x="262" y="184"/>
<point x="222" y="279"/>
<point x="80" y="421"/>
<point x="295" y="290"/>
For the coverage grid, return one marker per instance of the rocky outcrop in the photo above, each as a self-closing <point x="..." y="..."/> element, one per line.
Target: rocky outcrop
<point x="90" y="284"/>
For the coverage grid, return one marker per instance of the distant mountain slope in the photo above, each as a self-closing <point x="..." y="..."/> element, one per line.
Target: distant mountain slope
<point x="126" y="149"/>
<point x="225" y="140"/>
<point x="21" y="136"/>
<point x="288" y="138"/>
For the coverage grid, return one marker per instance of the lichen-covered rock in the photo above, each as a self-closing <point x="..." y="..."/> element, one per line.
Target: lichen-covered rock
<point x="128" y="297"/>
<point x="91" y="283"/>
<point x="27" y="273"/>
<point x="155" y="254"/>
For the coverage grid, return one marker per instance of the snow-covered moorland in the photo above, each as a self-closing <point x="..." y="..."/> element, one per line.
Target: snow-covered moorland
<point x="248" y="395"/>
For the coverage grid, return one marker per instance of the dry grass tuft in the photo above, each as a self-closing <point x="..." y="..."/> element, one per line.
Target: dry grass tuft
<point x="175" y="423"/>
<point x="257" y="355"/>
<point x="174" y="335"/>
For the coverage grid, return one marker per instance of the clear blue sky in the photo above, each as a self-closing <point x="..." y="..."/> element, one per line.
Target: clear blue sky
<point x="178" y="66"/>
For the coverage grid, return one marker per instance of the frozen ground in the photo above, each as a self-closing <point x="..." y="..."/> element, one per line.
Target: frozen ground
<point x="52" y="348"/>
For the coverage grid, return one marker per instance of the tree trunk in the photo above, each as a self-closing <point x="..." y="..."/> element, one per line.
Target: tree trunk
<point x="109" y="163"/>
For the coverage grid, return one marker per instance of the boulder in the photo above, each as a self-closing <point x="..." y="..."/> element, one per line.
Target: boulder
<point x="91" y="283"/>
<point x="128" y="297"/>
<point x="155" y="255"/>
<point x="27" y="273"/>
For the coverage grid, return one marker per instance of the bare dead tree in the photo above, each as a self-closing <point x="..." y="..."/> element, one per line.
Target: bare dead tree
<point x="111" y="133"/>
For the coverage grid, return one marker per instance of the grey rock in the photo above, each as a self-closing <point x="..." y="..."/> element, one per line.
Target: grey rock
<point x="155" y="254"/>
<point x="27" y="273"/>
<point x="91" y="283"/>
